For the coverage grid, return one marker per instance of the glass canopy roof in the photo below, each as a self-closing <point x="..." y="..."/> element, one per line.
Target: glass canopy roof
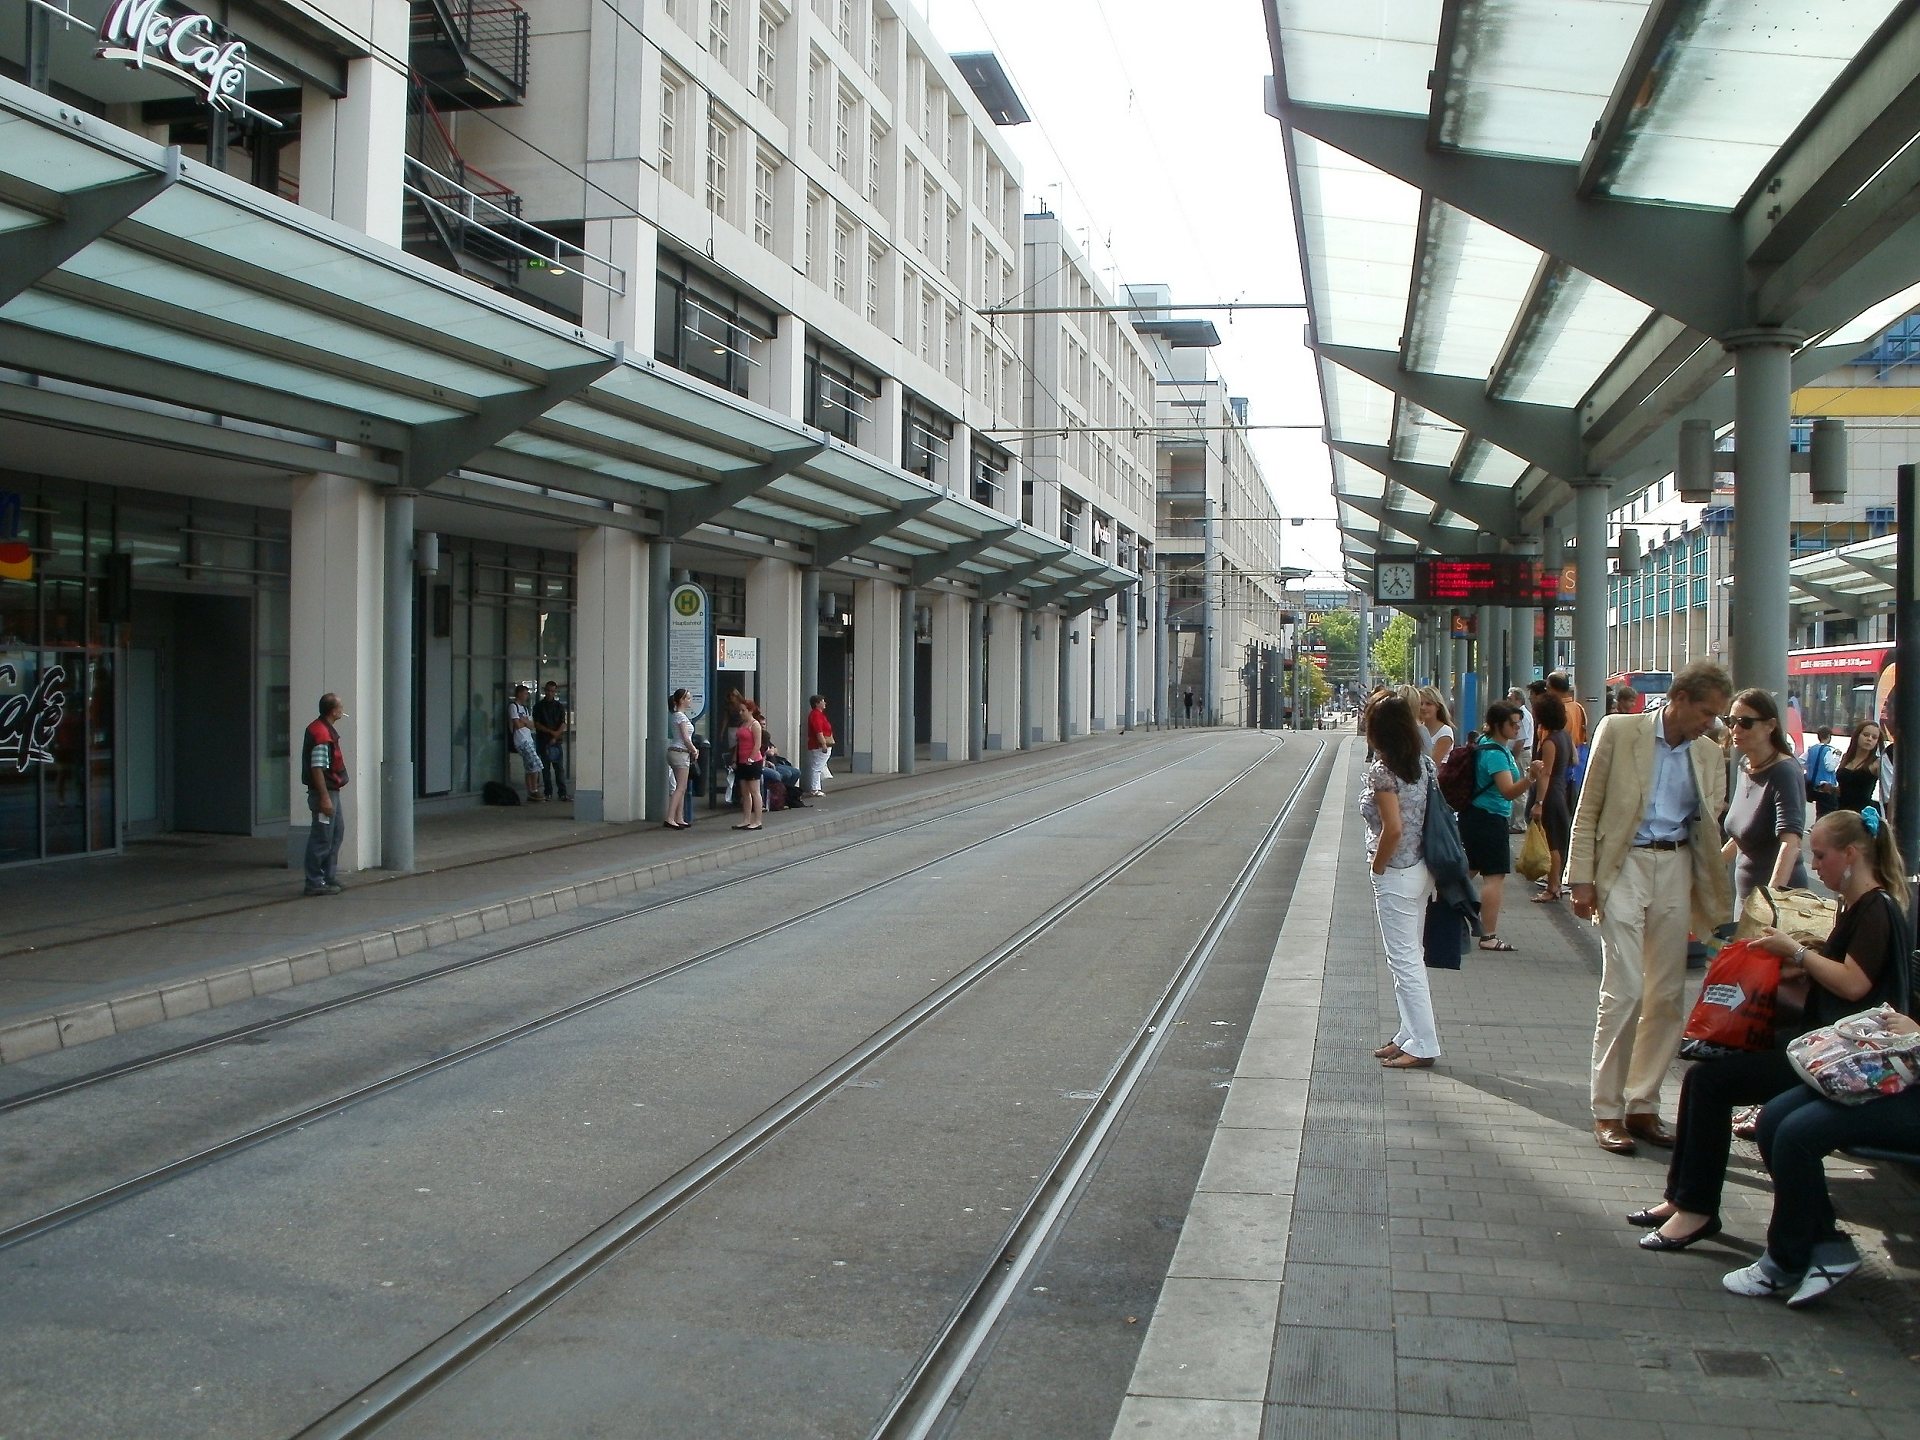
<point x="216" y="296"/>
<point x="1690" y="105"/>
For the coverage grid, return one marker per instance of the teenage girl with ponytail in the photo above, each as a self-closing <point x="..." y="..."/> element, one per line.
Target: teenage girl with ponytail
<point x="1860" y="965"/>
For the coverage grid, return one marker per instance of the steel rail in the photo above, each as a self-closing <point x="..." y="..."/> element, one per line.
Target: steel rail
<point x="154" y="1178"/>
<point x="384" y="1399"/>
<point x="931" y="1396"/>
<point x="238" y="1033"/>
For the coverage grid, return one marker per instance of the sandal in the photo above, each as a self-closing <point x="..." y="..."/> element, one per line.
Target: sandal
<point x="1388" y="1051"/>
<point x="1404" y="1061"/>
<point x="1548" y="897"/>
<point x="1494" y="942"/>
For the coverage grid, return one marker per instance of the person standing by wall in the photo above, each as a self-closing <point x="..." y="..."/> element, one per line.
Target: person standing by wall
<point x="819" y="745"/>
<point x="520" y="736"/>
<point x="1644" y="862"/>
<point x="550" y="740"/>
<point x="326" y="772"/>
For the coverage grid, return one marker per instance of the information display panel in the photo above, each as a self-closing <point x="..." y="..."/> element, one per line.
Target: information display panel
<point x="1509" y="580"/>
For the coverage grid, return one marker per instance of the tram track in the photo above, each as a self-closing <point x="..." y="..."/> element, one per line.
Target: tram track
<point x="253" y="1030"/>
<point x="961" y="1340"/>
<point x="154" y="1178"/>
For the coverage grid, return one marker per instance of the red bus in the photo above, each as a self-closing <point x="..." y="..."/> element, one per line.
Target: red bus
<point x="1837" y="685"/>
<point x="1645" y="685"/>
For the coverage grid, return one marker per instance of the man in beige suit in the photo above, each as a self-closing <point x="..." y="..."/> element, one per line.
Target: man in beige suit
<point x="1645" y="862"/>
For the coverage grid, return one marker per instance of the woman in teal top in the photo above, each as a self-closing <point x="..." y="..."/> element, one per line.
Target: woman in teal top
<point x="1498" y="781"/>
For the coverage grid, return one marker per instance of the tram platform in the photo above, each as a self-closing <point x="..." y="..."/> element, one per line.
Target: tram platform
<point x="100" y="946"/>
<point x="1443" y="1252"/>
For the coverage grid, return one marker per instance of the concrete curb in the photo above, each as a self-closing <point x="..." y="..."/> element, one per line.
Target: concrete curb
<point x="1203" y="1367"/>
<point x="98" y="1020"/>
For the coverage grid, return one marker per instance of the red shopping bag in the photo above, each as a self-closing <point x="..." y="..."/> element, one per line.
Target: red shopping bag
<point x="1738" y="1000"/>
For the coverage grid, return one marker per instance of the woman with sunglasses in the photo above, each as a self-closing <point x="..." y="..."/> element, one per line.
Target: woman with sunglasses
<point x="1768" y="815"/>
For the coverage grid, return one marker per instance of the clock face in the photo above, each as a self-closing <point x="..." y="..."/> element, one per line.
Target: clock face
<point x="1395" y="581"/>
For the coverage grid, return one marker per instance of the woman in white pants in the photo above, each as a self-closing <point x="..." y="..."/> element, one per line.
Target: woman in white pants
<point x="1393" y="802"/>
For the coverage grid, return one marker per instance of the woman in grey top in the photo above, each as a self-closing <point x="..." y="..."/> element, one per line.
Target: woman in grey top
<point x="1393" y="803"/>
<point x="1768" y="815"/>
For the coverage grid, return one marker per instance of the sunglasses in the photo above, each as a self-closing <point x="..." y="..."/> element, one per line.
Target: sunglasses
<point x="1745" y="722"/>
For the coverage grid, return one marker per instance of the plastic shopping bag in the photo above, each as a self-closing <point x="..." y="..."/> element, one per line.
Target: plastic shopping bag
<point x="1535" y="858"/>
<point x="1737" y="1004"/>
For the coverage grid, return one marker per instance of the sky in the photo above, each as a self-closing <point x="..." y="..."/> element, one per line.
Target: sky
<point x="1151" y="142"/>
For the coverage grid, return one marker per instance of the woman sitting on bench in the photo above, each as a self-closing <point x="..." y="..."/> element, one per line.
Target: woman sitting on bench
<point x="1861" y="964"/>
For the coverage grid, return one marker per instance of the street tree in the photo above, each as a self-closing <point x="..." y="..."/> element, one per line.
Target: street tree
<point x="1393" y="651"/>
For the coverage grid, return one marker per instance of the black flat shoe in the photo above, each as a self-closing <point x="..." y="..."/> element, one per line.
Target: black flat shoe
<point x="1649" y="1218"/>
<point x="1657" y="1241"/>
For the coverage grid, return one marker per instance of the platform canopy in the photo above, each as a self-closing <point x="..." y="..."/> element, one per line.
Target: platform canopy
<point x="154" y="297"/>
<point x="1855" y="581"/>
<point x="1528" y="228"/>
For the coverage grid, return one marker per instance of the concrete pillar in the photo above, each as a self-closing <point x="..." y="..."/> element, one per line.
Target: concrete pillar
<point x="1591" y="504"/>
<point x="1520" y="627"/>
<point x="1029" y="704"/>
<point x="396" y="765"/>
<point x="1209" y="618"/>
<point x="809" y="634"/>
<point x="1072" y="673"/>
<point x="909" y="688"/>
<point x="976" y="679"/>
<point x="1130" y="643"/>
<point x="335" y="643"/>
<point x="784" y="376"/>
<point x="775" y="617"/>
<point x="631" y="245"/>
<point x="876" y="677"/>
<point x="1044" y="717"/>
<point x="352" y="161"/>
<point x="958" y="472"/>
<point x="1762" y="507"/>
<point x="953" y="688"/>
<point x="609" y="676"/>
<point x="888" y="421"/>
<point x="1100" y="635"/>
<point x="1006" y="709"/>
<point x="652" y="700"/>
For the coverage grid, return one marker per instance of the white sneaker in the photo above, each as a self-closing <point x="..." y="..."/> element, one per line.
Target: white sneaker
<point x="1819" y="1280"/>
<point x="1761" y="1280"/>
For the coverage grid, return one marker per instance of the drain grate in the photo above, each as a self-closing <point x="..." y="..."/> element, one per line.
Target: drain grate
<point x="1737" y="1364"/>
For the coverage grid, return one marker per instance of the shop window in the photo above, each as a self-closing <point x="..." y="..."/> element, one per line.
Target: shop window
<point x="706" y="328"/>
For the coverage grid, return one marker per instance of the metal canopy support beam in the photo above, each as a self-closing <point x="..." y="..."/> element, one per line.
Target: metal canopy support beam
<point x="1543" y="435"/>
<point x="1631" y="92"/>
<point x="931" y="567"/>
<point x="1685" y="263"/>
<point x="1421" y="531"/>
<point x="1832" y="599"/>
<point x="687" y="510"/>
<point x="836" y="545"/>
<point x="1068" y="596"/>
<point x="442" y="446"/>
<point x="76" y="221"/>
<point x="1491" y="509"/>
<point x="1006" y="580"/>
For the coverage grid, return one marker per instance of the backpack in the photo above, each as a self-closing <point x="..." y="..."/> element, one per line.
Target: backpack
<point x="496" y="792"/>
<point x="1816" y="761"/>
<point x="1458" y="772"/>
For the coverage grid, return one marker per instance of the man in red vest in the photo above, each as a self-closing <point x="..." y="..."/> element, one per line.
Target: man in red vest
<point x="325" y="765"/>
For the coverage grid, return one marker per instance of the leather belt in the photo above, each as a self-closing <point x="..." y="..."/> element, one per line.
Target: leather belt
<point x="1662" y="845"/>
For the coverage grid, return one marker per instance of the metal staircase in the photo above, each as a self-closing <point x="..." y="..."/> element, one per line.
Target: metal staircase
<point x="471" y="55"/>
<point x="456" y="214"/>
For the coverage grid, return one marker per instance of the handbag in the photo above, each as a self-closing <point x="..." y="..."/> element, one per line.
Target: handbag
<point x="1444" y="936"/>
<point x="1445" y="854"/>
<point x="1738" y="1004"/>
<point x="1857" y="1059"/>
<point x="1799" y="913"/>
<point x="1535" y="858"/>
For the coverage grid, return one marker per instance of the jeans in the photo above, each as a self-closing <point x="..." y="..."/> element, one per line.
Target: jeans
<point x="553" y="756"/>
<point x="1798" y="1130"/>
<point x="323" y="841"/>
<point x="1400" y="901"/>
<point x="1703" y="1130"/>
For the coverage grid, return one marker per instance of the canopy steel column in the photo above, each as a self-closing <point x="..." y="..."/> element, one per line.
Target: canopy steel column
<point x="1027" y="625"/>
<point x="1462" y="667"/>
<point x="1365" y="678"/>
<point x="1591" y="496"/>
<point x="1906" y="698"/>
<point x="1209" y="609"/>
<point x="1163" y="702"/>
<point x="976" y="679"/>
<point x="908" y="598"/>
<point x="1132" y="641"/>
<point x="1063" y="647"/>
<point x="653" y="798"/>
<point x="396" y="760"/>
<point x="1762" y="506"/>
<point x="809" y="635"/>
<point x="1443" y="653"/>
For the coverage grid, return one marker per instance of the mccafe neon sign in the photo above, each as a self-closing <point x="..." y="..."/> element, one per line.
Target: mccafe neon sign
<point x="190" y="47"/>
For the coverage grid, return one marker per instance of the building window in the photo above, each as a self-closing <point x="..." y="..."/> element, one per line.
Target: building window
<point x="816" y="86"/>
<point x="1879" y="520"/>
<point x="706" y="328"/>
<point x="766" y="55"/>
<point x="843" y="242"/>
<point x="874" y="48"/>
<point x="764" y="166"/>
<point x="950" y="342"/>
<point x="840" y="393"/>
<point x="876" y="139"/>
<point x="989" y="476"/>
<point x="844" y="26"/>
<point x="672" y="90"/>
<point x="845" y="113"/>
<point x="925" y="435"/>
<point x="815" y="236"/>
<point x="720" y="30"/>
<point x="719" y="161"/>
<point x="876" y="268"/>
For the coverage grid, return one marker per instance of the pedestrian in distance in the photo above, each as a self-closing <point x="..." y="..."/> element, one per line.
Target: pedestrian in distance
<point x="1498" y="781"/>
<point x="819" y="746"/>
<point x="747" y="762"/>
<point x="1823" y="773"/>
<point x="325" y="769"/>
<point x="550" y="740"/>
<point x="1855" y="969"/>
<point x="1551" y="806"/>
<point x="1393" y="803"/>
<point x="681" y="750"/>
<point x="1858" y="778"/>
<point x="1644" y="863"/>
<point x="521" y="736"/>
<point x="1186" y="700"/>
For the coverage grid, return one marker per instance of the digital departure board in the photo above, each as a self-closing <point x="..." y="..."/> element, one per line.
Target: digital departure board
<point x="1511" y="580"/>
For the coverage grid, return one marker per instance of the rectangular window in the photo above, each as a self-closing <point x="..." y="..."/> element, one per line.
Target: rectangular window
<point x="845" y="112"/>
<point x="845" y="27"/>
<point x="950" y="342"/>
<point x="816" y="98"/>
<point x="671" y="90"/>
<point x="876" y="140"/>
<point x="876" y="266"/>
<point x="766" y="55"/>
<point x="816" y="220"/>
<point x="719" y="161"/>
<point x="843" y="241"/>
<point x="720" y="30"/>
<point x="929" y="324"/>
<point x="765" y="165"/>
<point x="1880" y="520"/>
<point x="874" y="49"/>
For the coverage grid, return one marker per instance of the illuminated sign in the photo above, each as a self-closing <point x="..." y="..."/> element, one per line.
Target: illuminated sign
<point x="30" y="721"/>
<point x="1506" y="580"/>
<point x="16" y="557"/>
<point x="191" y="47"/>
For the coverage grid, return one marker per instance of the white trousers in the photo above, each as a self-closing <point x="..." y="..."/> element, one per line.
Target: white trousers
<point x="816" y="763"/>
<point x="1400" y="900"/>
<point x="1643" y="981"/>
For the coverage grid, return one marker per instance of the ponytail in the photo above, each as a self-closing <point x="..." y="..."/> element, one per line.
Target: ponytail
<point x="1873" y="835"/>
